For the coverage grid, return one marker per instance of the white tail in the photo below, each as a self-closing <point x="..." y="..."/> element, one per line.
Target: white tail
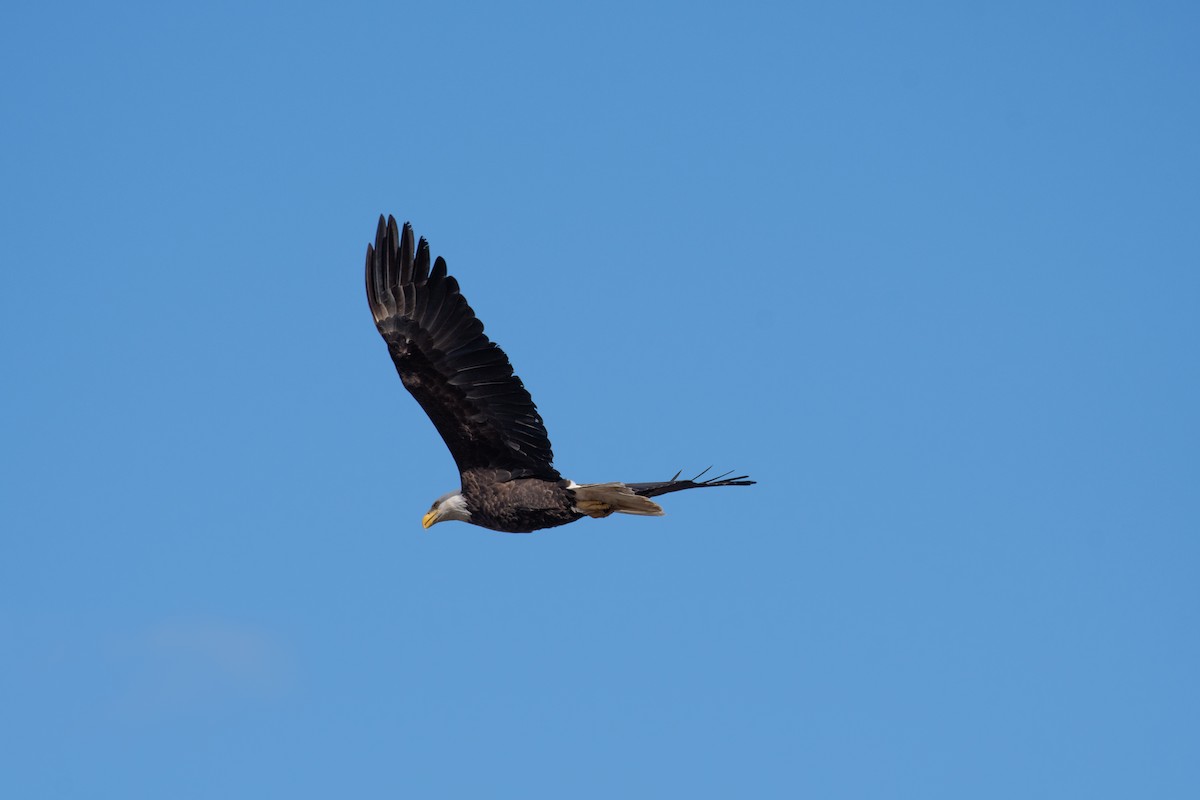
<point x="602" y="499"/>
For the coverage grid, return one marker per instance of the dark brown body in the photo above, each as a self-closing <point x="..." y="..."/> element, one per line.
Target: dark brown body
<point x="518" y="505"/>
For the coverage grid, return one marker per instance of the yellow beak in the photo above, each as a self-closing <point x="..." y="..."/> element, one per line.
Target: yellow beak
<point x="429" y="518"/>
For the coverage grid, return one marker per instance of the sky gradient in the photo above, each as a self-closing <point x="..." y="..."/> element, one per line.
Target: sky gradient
<point x="930" y="274"/>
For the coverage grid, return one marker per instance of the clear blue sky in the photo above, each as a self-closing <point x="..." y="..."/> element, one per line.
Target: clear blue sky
<point x="929" y="272"/>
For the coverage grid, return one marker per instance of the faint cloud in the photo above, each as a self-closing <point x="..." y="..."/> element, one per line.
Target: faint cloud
<point x="189" y="665"/>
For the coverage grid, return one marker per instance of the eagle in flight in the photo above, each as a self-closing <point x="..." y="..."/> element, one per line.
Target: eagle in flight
<point x="481" y="409"/>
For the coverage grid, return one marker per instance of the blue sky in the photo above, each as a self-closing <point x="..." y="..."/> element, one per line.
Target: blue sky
<point x="928" y="272"/>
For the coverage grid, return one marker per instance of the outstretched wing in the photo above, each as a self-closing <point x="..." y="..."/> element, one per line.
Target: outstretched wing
<point x="676" y="485"/>
<point x="462" y="380"/>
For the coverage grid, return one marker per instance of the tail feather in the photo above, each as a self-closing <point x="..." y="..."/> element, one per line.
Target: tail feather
<point x="601" y="499"/>
<point x="676" y="485"/>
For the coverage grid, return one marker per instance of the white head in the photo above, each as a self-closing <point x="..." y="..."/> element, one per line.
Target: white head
<point x="451" y="505"/>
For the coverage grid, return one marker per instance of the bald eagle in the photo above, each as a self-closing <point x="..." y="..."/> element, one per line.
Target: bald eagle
<point x="481" y="409"/>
